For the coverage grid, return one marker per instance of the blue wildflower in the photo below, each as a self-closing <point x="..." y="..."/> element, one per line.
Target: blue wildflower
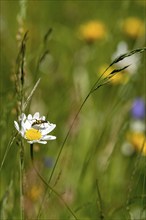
<point x="138" y="108"/>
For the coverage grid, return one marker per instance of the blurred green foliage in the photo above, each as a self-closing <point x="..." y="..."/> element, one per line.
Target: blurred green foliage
<point x="68" y="69"/>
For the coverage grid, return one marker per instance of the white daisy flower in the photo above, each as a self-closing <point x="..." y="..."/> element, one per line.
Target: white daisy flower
<point x="34" y="128"/>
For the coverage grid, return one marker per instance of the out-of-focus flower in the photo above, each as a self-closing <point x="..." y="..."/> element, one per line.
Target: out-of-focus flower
<point x="138" y="109"/>
<point x="138" y="140"/>
<point x="92" y="31"/>
<point x="34" y="128"/>
<point x="136" y="135"/>
<point x="48" y="161"/>
<point x="137" y="125"/>
<point x="35" y="192"/>
<point x="68" y="196"/>
<point x="133" y="27"/>
<point x="133" y="60"/>
<point x="118" y="78"/>
<point x="127" y="149"/>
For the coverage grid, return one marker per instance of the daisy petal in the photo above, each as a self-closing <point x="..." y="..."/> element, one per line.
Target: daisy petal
<point x="48" y="137"/>
<point x="22" y="117"/>
<point x="48" y="129"/>
<point x="43" y="118"/>
<point x="37" y="141"/>
<point x="16" y="126"/>
<point x="30" y="142"/>
<point x="26" y="125"/>
<point x="36" y="115"/>
<point x="29" y="117"/>
<point x="42" y="142"/>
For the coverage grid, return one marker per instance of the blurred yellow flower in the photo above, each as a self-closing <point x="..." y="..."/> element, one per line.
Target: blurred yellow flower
<point x="133" y="27"/>
<point x="92" y="31"/>
<point x="138" y="140"/>
<point x="35" y="192"/>
<point x="117" y="78"/>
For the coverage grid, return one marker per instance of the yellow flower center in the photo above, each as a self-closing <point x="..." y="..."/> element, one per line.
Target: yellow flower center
<point x="33" y="134"/>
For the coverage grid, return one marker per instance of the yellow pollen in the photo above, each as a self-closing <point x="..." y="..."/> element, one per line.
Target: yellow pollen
<point x="33" y="134"/>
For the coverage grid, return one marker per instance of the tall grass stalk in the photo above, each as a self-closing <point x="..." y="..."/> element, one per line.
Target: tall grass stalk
<point x="19" y="82"/>
<point x="19" y="85"/>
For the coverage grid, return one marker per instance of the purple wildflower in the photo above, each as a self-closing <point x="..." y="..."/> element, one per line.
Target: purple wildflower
<point x="138" y="108"/>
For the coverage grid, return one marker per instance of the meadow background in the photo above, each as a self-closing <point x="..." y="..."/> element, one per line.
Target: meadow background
<point x="101" y="171"/>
